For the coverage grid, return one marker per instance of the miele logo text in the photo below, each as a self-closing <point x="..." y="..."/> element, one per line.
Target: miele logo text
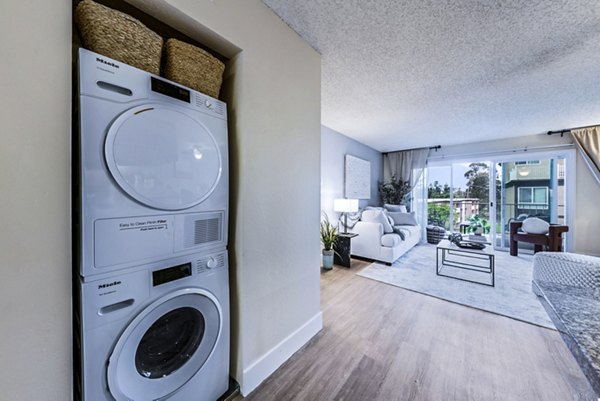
<point x="106" y="285"/>
<point x="98" y="59"/>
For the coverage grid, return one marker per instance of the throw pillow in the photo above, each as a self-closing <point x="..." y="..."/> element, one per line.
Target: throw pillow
<point x="395" y="208"/>
<point x="535" y="225"/>
<point x="377" y="216"/>
<point x="406" y="219"/>
<point x="374" y="208"/>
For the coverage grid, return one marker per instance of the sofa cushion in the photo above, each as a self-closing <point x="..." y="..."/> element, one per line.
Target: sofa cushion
<point x="404" y="218"/>
<point x="390" y="240"/>
<point x="409" y="231"/>
<point x="395" y="208"/>
<point x="377" y="216"/>
<point x="535" y="225"/>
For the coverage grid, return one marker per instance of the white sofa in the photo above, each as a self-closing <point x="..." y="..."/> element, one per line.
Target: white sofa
<point x="373" y="243"/>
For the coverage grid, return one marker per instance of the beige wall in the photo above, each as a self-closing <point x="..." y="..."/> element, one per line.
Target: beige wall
<point x="35" y="239"/>
<point x="587" y="189"/>
<point x="275" y="116"/>
<point x="274" y="84"/>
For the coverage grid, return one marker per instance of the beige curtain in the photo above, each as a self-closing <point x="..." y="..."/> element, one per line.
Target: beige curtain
<point x="588" y="143"/>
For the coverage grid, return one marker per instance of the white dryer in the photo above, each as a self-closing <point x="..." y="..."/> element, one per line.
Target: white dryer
<point x="156" y="333"/>
<point x="153" y="179"/>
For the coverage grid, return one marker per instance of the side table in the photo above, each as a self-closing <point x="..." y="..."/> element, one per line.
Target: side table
<point x="342" y="248"/>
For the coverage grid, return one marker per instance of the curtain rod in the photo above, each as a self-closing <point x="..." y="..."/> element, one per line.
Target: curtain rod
<point x="525" y="149"/>
<point x="436" y="147"/>
<point x="568" y="130"/>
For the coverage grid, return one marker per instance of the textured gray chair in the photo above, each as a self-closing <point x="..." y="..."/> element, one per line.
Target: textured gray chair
<point x="570" y="269"/>
<point x="568" y="285"/>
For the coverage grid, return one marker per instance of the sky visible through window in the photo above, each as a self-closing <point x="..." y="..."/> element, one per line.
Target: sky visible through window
<point x="441" y="174"/>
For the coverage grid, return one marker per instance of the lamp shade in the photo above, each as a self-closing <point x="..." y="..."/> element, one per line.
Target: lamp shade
<point x="345" y="205"/>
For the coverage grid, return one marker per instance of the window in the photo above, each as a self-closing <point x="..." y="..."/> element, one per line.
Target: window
<point x="533" y="198"/>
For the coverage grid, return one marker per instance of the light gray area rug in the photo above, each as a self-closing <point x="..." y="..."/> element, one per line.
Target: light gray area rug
<point x="512" y="295"/>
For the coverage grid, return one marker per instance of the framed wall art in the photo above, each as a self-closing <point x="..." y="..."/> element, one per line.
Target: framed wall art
<point x="357" y="178"/>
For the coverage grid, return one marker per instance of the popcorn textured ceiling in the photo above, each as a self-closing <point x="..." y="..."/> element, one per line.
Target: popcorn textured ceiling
<point x="405" y="74"/>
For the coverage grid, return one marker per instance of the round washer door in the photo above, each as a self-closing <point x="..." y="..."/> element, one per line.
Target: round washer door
<point x="164" y="346"/>
<point x="162" y="157"/>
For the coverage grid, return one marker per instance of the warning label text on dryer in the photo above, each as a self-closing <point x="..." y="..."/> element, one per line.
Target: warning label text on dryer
<point x="134" y="238"/>
<point x="144" y="225"/>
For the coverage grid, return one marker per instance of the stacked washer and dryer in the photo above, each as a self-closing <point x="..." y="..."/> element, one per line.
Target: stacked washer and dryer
<point x="152" y="197"/>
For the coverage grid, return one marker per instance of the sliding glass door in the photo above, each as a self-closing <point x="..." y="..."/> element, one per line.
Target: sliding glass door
<point x="531" y="187"/>
<point x="459" y="196"/>
<point x="439" y="196"/>
<point x="486" y="195"/>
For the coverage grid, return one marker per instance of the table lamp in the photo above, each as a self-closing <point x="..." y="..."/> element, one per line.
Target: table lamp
<point x="345" y="206"/>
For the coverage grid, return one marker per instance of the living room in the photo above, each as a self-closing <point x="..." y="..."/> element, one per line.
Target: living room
<point x="510" y="296"/>
<point x="273" y="85"/>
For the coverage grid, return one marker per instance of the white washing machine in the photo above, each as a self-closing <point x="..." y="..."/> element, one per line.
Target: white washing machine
<point x="157" y="333"/>
<point x="153" y="180"/>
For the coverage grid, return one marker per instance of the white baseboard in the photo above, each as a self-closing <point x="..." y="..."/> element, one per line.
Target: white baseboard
<point x="261" y="369"/>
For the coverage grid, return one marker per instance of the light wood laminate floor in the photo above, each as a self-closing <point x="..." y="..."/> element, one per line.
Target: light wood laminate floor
<point x="380" y="342"/>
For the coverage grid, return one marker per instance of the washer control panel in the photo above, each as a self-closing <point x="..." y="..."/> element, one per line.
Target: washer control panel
<point x="209" y="263"/>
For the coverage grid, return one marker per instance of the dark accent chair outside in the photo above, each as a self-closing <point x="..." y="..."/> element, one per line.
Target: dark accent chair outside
<point x="552" y="241"/>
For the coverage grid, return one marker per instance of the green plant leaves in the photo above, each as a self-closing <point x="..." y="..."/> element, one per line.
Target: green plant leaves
<point x="393" y="191"/>
<point x="476" y="221"/>
<point x="329" y="234"/>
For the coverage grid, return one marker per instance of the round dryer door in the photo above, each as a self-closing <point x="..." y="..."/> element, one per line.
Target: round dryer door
<point x="164" y="346"/>
<point x="162" y="157"/>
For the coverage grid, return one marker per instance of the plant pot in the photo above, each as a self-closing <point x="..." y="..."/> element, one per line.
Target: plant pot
<point x="327" y="259"/>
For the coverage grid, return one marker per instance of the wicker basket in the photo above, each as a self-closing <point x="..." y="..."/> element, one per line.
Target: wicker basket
<point x="193" y="67"/>
<point x="435" y="234"/>
<point x="118" y="36"/>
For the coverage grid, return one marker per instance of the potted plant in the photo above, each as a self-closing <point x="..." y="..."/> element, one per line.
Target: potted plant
<point x="329" y="236"/>
<point x="479" y="226"/>
<point x="393" y="191"/>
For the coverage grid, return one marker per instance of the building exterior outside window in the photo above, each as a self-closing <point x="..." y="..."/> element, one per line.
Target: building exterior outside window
<point x="527" y="189"/>
<point x="533" y="198"/>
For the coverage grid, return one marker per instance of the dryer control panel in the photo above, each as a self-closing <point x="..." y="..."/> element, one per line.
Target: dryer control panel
<point x="119" y="82"/>
<point x="168" y="89"/>
<point x="169" y="274"/>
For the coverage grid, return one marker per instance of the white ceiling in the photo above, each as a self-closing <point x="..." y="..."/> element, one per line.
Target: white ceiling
<point x="405" y="74"/>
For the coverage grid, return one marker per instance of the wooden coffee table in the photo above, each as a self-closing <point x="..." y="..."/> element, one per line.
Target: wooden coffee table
<point x="452" y="261"/>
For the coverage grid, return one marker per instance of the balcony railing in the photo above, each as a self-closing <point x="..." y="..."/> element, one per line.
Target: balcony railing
<point x="522" y="211"/>
<point x="511" y="211"/>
